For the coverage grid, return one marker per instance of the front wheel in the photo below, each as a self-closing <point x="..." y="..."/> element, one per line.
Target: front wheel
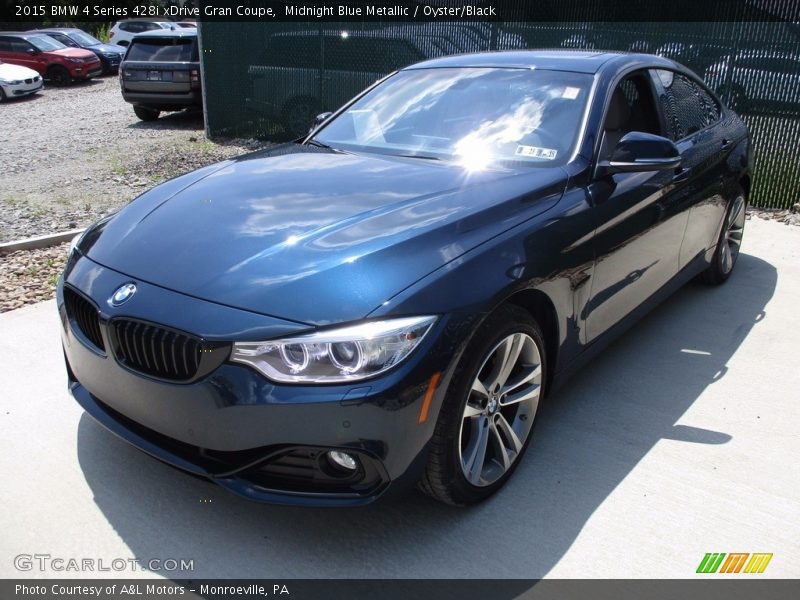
<point x="59" y="75"/>
<point x="729" y="242"/>
<point x="146" y="114"/>
<point x="489" y="410"/>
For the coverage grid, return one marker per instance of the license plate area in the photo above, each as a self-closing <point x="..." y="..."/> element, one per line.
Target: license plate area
<point x="159" y="76"/>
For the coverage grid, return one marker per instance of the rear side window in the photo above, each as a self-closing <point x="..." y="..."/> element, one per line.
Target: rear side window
<point x="140" y="26"/>
<point x="688" y="107"/>
<point x="17" y="45"/>
<point x="163" y="50"/>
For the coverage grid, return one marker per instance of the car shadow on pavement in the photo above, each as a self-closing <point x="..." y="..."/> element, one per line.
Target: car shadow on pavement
<point x="592" y="434"/>
<point x="183" y="119"/>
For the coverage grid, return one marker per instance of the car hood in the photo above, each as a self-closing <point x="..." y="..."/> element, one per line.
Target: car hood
<point x="8" y="71"/>
<point x="74" y="53"/>
<point x="108" y="48"/>
<point x="313" y="235"/>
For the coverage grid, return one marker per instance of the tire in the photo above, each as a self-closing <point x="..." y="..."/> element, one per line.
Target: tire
<point x="59" y="75"/>
<point x="2" y="95"/>
<point x="299" y="114"/>
<point x="456" y="471"/>
<point x="146" y="114"/>
<point x="728" y="243"/>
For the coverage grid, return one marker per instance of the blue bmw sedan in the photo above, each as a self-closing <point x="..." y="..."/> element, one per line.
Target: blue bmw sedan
<point x="390" y="300"/>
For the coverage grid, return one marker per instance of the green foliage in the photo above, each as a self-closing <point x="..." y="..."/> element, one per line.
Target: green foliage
<point x="102" y="33"/>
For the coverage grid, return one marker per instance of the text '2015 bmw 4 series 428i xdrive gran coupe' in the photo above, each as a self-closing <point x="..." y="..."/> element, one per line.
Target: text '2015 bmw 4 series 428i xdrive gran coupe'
<point x="390" y="299"/>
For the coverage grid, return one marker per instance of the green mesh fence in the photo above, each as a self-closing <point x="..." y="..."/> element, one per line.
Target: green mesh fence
<point x="269" y="80"/>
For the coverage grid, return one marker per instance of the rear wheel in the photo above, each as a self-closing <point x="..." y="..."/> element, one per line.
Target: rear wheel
<point x="489" y="410"/>
<point x="729" y="242"/>
<point x="59" y="75"/>
<point x="146" y="114"/>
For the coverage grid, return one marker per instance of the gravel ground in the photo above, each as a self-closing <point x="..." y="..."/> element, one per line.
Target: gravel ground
<point x="30" y="276"/>
<point x="70" y="156"/>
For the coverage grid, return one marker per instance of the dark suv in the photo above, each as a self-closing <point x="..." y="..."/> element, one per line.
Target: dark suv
<point x="161" y="72"/>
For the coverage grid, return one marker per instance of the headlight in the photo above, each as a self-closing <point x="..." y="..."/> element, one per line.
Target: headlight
<point x="10" y="82"/>
<point x="346" y="354"/>
<point x="77" y="61"/>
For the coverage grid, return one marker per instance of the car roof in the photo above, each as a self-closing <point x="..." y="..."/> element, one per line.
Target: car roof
<point x="60" y="29"/>
<point x="23" y="34"/>
<point x="183" y="32"/>
<point x="578" y="61"/>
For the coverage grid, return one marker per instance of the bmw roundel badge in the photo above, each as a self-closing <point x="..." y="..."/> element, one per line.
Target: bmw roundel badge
<point x="123" y="294"/>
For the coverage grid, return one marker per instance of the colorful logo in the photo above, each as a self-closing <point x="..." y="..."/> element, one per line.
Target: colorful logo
<point x="734" y="562"/>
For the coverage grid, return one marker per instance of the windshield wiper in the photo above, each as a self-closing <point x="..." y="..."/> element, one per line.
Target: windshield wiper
<point x="318" y="144"/>
<point x="422" y="156"/>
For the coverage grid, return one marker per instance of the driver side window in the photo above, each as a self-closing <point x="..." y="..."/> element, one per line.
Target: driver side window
<point x="632" y="108"/>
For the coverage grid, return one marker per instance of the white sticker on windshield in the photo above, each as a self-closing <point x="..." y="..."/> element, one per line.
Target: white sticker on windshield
<point x="570" y="93"/>
<point x="536" y="152"/>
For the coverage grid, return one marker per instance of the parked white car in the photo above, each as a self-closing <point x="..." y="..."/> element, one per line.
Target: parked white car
<point x="123" y="31"/>
<point x="16" y="81"/>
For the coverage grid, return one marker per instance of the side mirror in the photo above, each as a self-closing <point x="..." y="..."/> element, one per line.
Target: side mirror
<point x="32" y="51"/>
<point x="637" y="152"/>
<point x="319" y="120"/>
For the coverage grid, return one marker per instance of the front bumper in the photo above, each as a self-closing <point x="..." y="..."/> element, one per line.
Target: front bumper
<point x="164" y="101"/>
<point x="22" y="89"/>
<point x="86" y="70"/>
<point x="110" y="65"/>
<point x="259" y="439"/>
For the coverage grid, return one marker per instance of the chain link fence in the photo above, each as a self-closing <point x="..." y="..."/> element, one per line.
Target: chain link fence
<point x="269" y="80"/>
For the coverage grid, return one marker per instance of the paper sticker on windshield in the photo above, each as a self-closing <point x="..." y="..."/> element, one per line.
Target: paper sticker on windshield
<point x="570" y="93"/>
<point x="536" y="152"/>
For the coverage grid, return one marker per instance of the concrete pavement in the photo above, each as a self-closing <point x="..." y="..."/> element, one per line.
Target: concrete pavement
<point x="681" y="439"/>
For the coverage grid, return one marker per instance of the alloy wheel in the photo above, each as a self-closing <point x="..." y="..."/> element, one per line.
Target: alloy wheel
<point x="732" y="241"/>
<point x="500" y="409"/>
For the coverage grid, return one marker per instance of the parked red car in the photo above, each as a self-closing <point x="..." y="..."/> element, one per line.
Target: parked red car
<point x="52" y="59"/>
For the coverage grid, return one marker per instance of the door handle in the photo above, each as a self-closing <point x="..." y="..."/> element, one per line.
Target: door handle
<point x="681" y="174"/>
<point x="726" y="144"/>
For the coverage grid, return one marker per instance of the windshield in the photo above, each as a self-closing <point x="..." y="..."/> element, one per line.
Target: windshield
<point x="475" y="116"/>
<point x="163" y="50"/>
<point x="84" y="39"/>
<point x="45" y="43"/>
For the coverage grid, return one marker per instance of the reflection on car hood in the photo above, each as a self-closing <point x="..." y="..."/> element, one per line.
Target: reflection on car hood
<point x="74" y="53"/>
<point x="8" y="71"/>
<point x="314" y="235"/>
<point x="108" y="48"/>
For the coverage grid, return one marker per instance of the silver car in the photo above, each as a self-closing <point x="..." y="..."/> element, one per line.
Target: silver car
<point x="769" y="79"/>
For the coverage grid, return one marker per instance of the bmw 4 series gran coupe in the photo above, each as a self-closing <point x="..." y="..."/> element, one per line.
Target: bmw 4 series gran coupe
<point x="389" y="300"/>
